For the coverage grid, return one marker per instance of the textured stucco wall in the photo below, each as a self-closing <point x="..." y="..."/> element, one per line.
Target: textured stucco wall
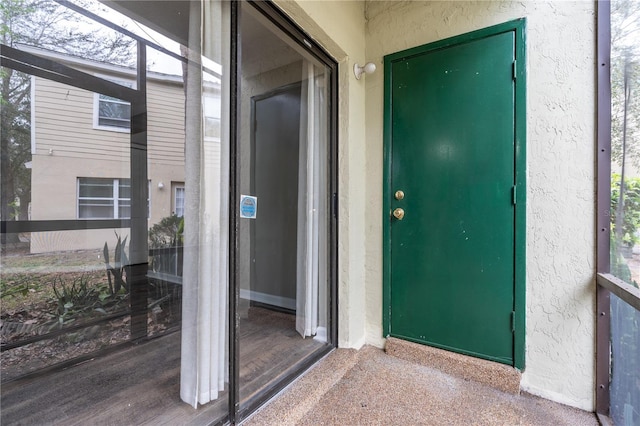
<point x="339" y="27"/>
<point x="560" y="168"/>
<point x="560" y="180"/>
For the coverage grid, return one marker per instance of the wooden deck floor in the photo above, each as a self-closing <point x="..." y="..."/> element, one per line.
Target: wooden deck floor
<point x="140" y="385"/>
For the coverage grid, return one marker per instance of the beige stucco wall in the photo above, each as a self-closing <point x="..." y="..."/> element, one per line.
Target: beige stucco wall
<point x="560" y="181"/>
<point x="560" y="166"/>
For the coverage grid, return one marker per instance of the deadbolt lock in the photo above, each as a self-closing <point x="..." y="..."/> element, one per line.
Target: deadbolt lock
<point x="398" y="213"/>
<point x="399" y="195"/>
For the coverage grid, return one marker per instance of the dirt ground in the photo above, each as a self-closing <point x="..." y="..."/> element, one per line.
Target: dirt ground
<point x="30" y="307"/>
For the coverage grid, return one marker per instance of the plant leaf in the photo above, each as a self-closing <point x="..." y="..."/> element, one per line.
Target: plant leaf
<point x="106" y="253"/>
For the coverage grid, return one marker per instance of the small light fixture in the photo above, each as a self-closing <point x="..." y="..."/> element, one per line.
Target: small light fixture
<point x="358" y="70"/>
<point x="160" y="185"/>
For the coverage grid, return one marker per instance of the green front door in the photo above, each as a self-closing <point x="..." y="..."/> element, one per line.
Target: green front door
<point x="452" y="151"/>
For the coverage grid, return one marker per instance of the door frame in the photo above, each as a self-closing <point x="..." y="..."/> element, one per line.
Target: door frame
<point x="254" y="124"/>
<point x="274" y="15"/>
<point x="518" y="27"/>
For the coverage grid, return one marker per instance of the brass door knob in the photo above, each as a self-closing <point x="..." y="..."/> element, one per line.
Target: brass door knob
<point x="398" y="213"/>
<point x="399" y="194"/>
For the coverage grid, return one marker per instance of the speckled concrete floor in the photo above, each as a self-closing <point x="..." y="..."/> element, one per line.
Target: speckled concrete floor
<point x="369" y="387"/>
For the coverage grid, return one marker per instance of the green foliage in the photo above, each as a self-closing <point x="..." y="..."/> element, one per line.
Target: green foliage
<point x="81" y="297"/>
<point x="15" y="205"/>
<point x="167" y="233"/>
<point x="625" y="75"/>
<point x="117" y="273"/>
<point x="75" y="298"/>
<point x="631" y="211"/>
<point x="618" y="263"/>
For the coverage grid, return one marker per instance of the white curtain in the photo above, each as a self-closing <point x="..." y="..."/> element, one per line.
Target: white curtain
<point x="204" y="350"/>
<point x="312" y="205"/>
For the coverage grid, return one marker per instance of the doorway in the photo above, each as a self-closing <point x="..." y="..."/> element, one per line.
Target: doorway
<point x="454" y="194"/>
<point x="275" y="138"/>
<point x="284" y="164"/>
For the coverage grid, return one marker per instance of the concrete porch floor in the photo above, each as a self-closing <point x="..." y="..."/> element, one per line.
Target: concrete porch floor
<point x="370" y="387"/>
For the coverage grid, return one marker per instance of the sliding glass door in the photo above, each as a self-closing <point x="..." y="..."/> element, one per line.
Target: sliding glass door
<point x="284" y="192"/>
<point x="168" y="245"/>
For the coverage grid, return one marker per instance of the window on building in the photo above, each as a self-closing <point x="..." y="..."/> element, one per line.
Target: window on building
<point x="104" y="198"/>
<point x="112" y="113"/>
<point x="178" y="201"/>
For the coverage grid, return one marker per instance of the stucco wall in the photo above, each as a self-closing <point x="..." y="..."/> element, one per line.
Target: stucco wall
<point x="560" y="181"/>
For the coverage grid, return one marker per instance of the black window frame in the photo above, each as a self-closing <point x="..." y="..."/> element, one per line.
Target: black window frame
<point x="297" y="35"/>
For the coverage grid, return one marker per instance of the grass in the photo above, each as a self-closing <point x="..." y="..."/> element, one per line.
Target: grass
<point x="20" y="259"/>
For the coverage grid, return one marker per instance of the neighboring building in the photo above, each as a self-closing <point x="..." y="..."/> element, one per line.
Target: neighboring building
<point x="80" y="146"/>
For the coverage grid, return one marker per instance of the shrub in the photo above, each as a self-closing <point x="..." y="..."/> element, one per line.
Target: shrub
<point x="631" y="211"/>
<point x="75" y="298"/>
<point x="167" y="232"/>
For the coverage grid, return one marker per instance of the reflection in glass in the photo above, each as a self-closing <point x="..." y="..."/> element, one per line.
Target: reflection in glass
<point x="70" y="293"/>
<point x="283" y="162"/>
<point x="46" y="293"/>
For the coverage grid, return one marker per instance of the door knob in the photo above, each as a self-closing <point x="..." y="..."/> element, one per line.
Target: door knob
<point x="399" y="195"/>
<point x="398" y="213"/>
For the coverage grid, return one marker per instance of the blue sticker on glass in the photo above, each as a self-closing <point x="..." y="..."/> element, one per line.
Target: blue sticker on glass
<point x="248" y="206"/>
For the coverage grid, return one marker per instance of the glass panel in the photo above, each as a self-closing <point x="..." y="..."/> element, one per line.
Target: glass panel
<point x="57" y="281"/>
<point x="625" y="209"/>
<point x="50" y="351"/>
<point x="124" y="210"/>
<point x="284" y="277"/>
<point x="189" y="252"/>
<point x="625" y="141"/>
<point x="101" y="188"/>
<point x="114" y="113"/>
<point x="179" y="202"/>
<point x="625" y="363"/>
<point x="96" y="209"/>
<point x="97" y="198"/>
<point x="69" y="294"/>
<point x="69" y="32"/>
<point x="124" y="188"/>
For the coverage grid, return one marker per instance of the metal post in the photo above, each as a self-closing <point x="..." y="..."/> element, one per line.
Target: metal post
<point x="138" y="246"/>
<point x="603" y="155"/>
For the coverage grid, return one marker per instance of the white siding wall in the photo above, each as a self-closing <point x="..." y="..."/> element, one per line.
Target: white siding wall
<point x="68" y="146"/>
